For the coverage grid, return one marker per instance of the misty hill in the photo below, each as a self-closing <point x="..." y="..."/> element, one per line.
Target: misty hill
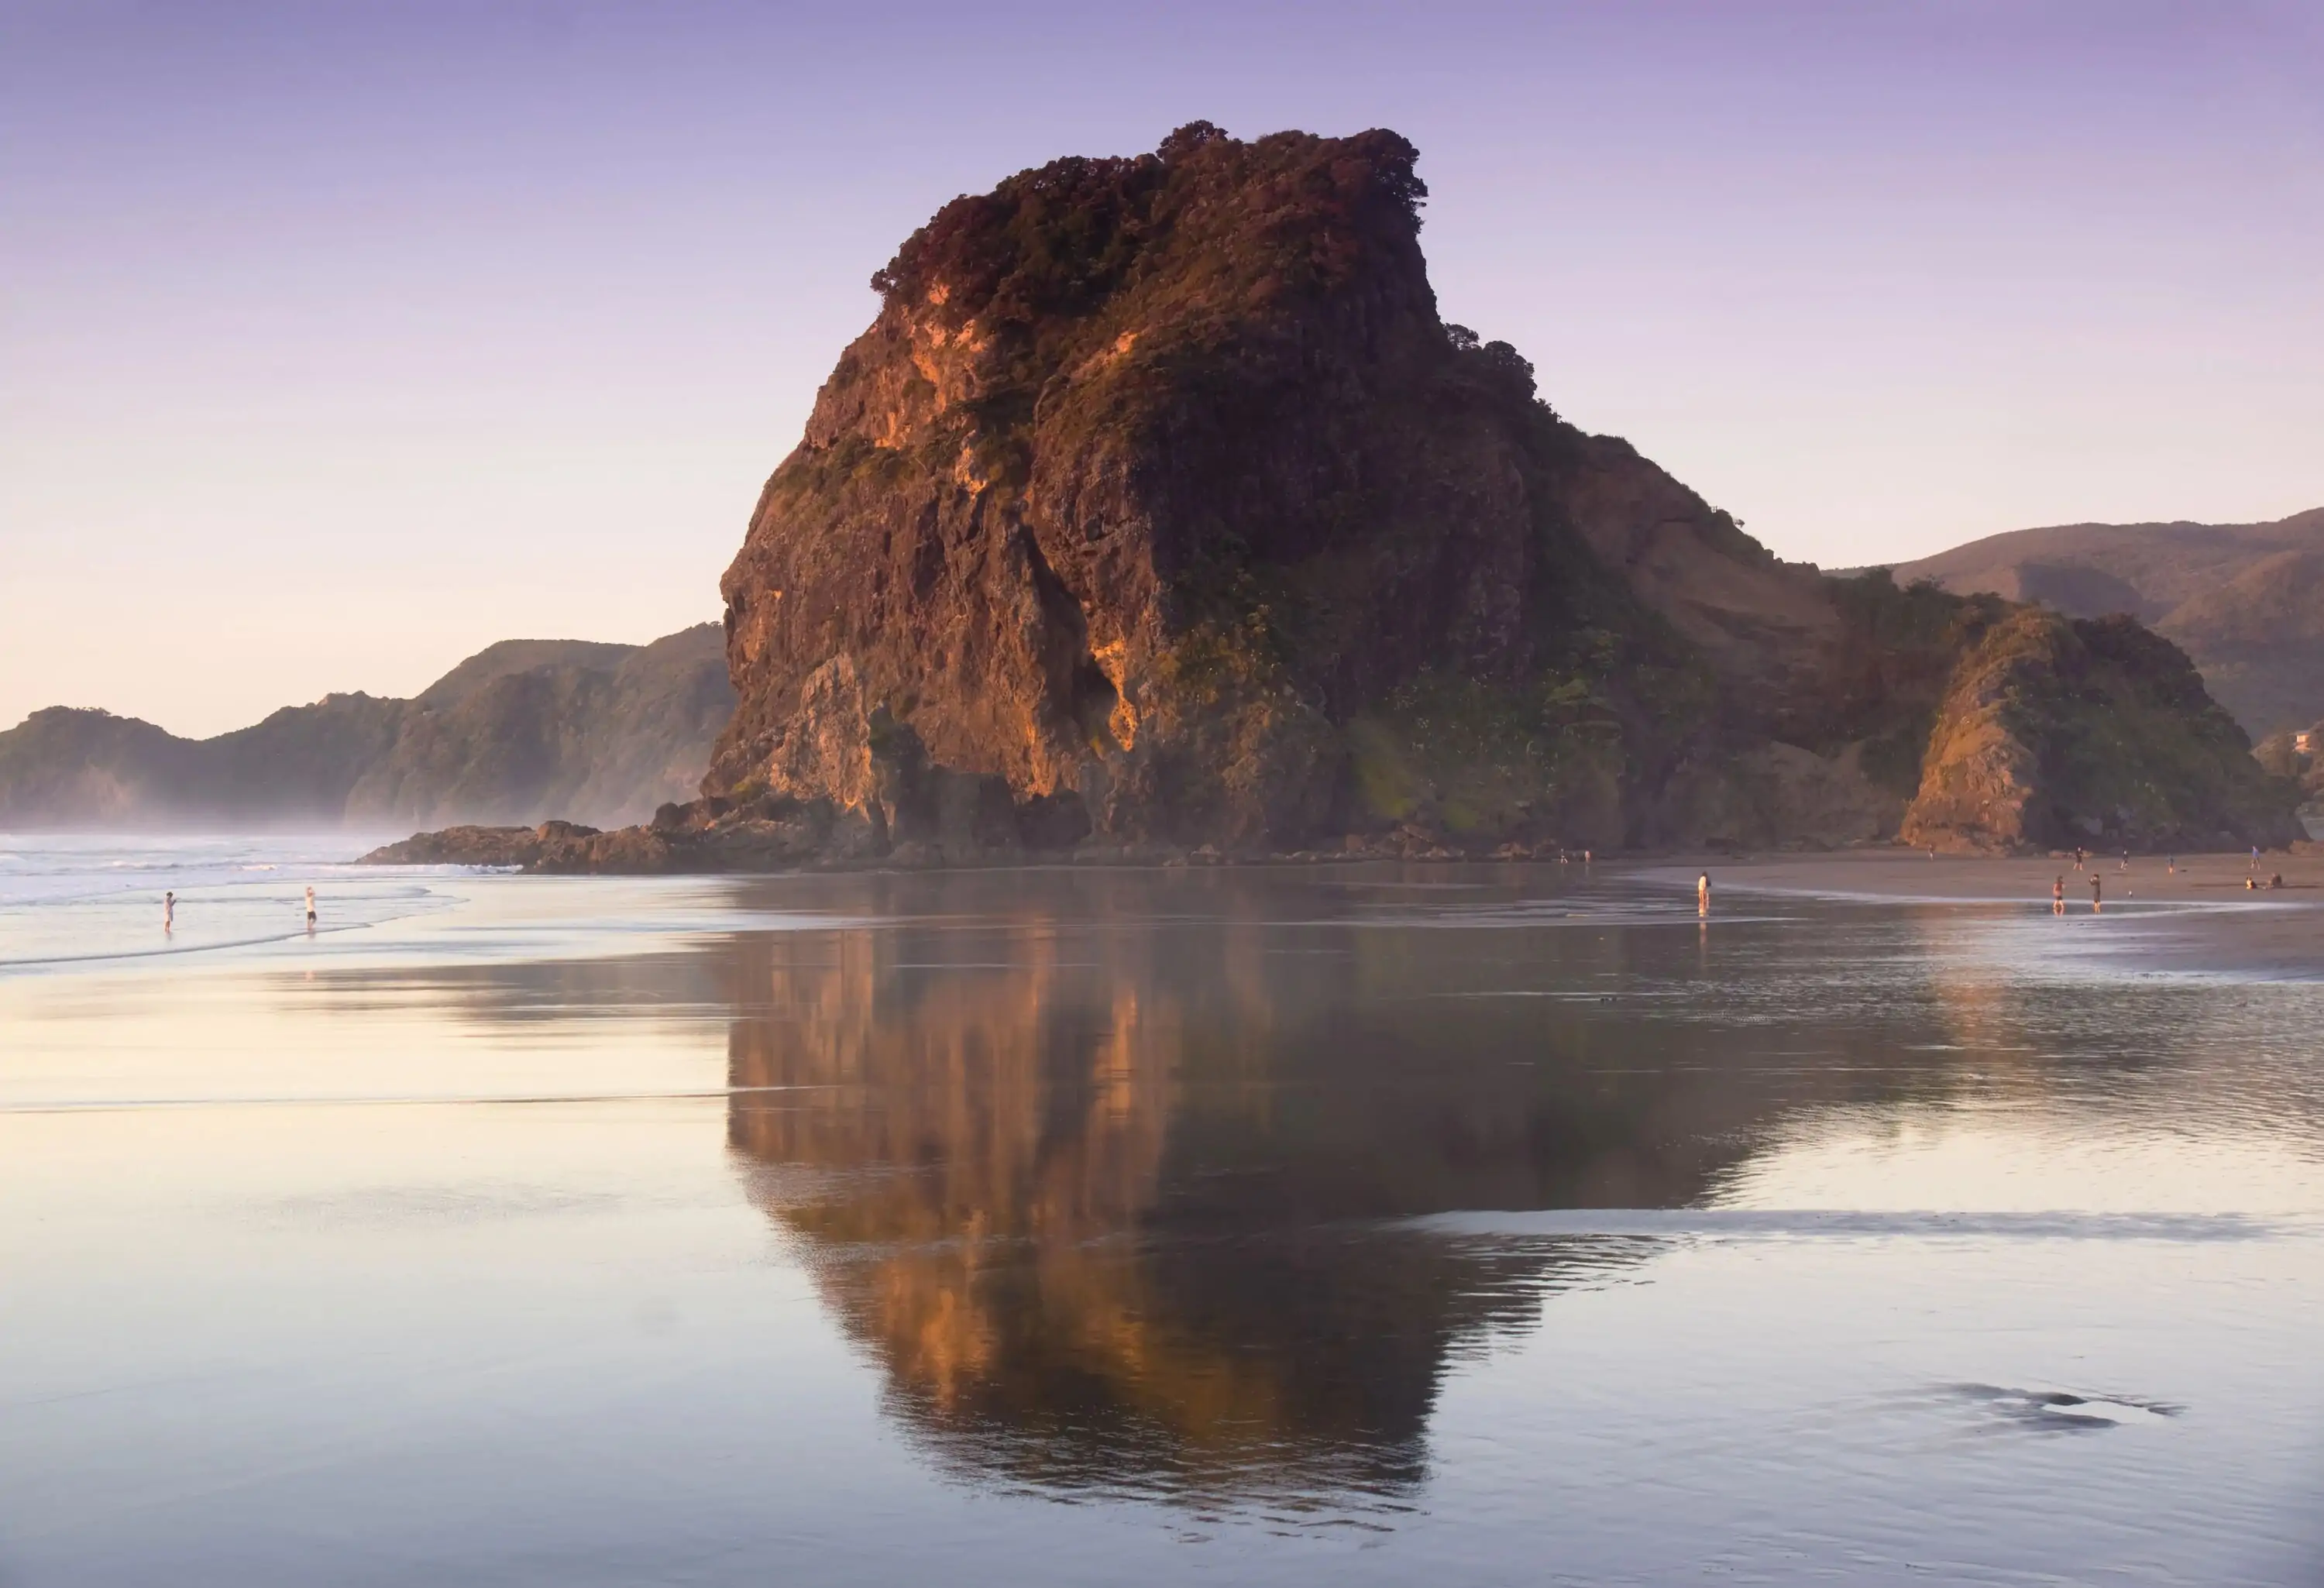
<point x="1157" y="507"/>
<point x="524" y="730"/>
<point x="2243" y="600"/>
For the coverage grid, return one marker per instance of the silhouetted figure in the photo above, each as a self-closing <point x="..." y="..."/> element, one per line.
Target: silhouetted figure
<point x="169" y="912"/>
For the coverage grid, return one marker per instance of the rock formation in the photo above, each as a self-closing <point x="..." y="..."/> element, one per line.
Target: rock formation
<point x="1158" y="490"/>
<point x="1158" y="510"/>
<point x="2245" y="601"/>
<point x="525" y="729"/>
<point x="2057" y="732"/>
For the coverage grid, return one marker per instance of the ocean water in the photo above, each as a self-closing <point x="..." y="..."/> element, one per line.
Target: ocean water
<point x="1375" y="1225"/>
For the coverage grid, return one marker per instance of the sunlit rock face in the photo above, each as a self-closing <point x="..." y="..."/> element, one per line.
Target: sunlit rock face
<point x="1158" y="485"/>
<point x="2058" y="732"/>
<point x="1158" y="506"/>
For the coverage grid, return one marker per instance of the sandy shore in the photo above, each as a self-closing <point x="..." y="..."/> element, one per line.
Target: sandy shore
<point x="2197" y="917"/>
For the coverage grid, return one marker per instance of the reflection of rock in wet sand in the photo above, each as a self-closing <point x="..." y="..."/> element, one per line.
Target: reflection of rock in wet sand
<point x="1104" y="1204"/>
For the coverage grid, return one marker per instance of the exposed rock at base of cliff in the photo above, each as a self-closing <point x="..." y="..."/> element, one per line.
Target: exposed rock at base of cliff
<point x="2060" y="731"/>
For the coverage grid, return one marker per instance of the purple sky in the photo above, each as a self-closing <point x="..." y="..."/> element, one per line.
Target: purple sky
<point x="337" y="341"/>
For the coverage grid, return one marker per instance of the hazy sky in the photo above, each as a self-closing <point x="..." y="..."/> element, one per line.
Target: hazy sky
<point x="339" y="340"/>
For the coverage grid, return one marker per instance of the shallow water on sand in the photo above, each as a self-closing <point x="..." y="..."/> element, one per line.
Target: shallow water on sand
<point x="1391" y="1225"/>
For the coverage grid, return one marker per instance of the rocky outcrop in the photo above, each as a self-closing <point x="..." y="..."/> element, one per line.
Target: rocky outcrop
<point x="1157" y="511"/>
<point x="1158" y="490"/>
<point x="523" y="730"/>
<point x="2245" y="601"/>
<point x="2058" y="732"/>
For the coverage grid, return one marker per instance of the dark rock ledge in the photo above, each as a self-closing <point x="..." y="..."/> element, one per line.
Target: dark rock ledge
<point x="775" y="835"/>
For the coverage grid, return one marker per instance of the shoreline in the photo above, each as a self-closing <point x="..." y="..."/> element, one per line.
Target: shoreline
<point x="2200" y="920"/>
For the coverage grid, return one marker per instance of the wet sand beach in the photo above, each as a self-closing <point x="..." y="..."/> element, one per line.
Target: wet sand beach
<point x="2198" y="918"/>
<point x="1465" y="1224"/>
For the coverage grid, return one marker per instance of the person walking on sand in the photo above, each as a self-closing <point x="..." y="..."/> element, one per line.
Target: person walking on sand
<point x="2126" y="860"/>
<point x="2077" y="857"/>
<point x="311" y="907"/>
<point x="1702" y="894"/>
<point x="170" y="912"/>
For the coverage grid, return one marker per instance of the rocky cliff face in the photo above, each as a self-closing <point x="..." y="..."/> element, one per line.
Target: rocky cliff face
<point x="523" y="730"/>
<point x="2057" y="732"/>
<point x="1159" y="491"/>
<point x="1158" y="510"/>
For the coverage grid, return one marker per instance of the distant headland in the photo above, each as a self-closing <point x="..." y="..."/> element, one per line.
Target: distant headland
<point x="522" y="731"/>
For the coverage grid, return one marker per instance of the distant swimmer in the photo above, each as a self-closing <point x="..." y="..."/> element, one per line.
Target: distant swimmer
<point x="310" y="908"/>
<point x="2058" y="896"/>
<point x="1702" y="894"/>
<point x="169" y="912"/>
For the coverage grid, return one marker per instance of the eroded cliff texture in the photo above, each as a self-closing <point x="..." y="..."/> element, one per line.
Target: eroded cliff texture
<point x="1158" y="490"/>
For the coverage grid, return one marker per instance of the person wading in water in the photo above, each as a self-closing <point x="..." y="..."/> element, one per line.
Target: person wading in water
<point x="1702" y="894"/>
<point x="2097" y="883"/>
<point x="2058" y="897"/>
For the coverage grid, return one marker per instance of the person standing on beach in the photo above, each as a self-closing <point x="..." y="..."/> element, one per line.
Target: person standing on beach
<point x="2077" y="857"/>
<point x="311" y="907"/>
<point x="2058" y="896"/>
<point x="1702" y="894"/>
<point x="2096" y="882"/>
<point x="169" y="912"/>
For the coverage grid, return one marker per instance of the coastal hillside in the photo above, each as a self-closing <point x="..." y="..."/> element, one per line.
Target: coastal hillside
<point x="1159" y="510"/>
<point x="2245" y="601"/>
<point x="524" y="730"/>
